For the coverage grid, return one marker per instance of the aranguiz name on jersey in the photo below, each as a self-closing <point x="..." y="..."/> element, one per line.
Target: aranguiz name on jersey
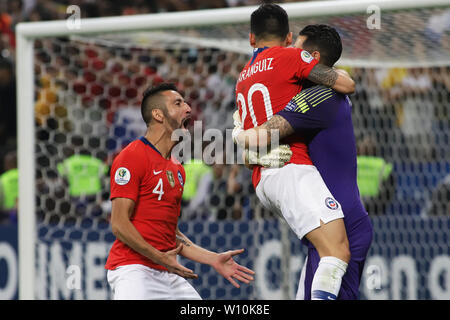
<point x="259" y="66"/>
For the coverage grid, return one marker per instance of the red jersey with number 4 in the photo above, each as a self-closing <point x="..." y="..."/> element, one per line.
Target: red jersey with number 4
<point x="155" y="184"/>
<point x="265" y="86"/>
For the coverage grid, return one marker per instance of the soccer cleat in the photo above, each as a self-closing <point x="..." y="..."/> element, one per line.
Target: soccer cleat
<point x="322" y="295"/>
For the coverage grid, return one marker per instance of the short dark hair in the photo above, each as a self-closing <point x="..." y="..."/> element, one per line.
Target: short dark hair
<point x="150" y="101"/>
<point x="325" y="39"/>
<point x="269" y="21"/>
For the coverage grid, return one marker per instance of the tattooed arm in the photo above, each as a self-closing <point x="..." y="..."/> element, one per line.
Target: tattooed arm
<point x="262" y="135"/>
<point x="192" y="251"/>
<point x="339" y="80"/>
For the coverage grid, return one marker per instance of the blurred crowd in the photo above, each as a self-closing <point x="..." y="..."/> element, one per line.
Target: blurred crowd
<point x="87" y="99"/>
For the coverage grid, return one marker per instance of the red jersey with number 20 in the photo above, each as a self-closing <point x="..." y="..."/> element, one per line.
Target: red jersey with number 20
<point x="155" y="184"/>
<point x="265" y="86"/>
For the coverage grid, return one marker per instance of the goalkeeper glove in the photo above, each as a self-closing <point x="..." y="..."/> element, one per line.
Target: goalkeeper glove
<point x="275" y="158"/>
<point x="238" y="128"/>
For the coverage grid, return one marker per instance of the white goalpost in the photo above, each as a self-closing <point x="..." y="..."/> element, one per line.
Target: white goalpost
<point x="28" y="33"/>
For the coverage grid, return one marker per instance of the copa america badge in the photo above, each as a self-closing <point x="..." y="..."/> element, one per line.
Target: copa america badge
<point x="331" y="203"/>
<point x="122" y="176"/>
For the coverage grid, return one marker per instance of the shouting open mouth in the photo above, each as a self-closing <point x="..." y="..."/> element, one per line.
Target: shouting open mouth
<point x="186" y="122"/>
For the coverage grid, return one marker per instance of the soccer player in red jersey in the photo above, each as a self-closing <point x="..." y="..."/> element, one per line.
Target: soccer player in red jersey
<point x="265" y="86"/>
<point x="146" y="190"/>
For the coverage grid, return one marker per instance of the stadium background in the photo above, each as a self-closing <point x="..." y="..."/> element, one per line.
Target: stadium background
<point x="87" y="92"/>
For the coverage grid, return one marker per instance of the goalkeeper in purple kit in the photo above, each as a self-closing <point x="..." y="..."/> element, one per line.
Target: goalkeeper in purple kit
<point x="323" y="117"/>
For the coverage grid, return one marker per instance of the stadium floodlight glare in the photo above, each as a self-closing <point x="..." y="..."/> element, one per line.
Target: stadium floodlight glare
<point x="27" y="33"/>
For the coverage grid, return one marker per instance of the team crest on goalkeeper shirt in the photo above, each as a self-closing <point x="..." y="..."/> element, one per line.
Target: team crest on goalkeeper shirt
<point x="170" y="178"/>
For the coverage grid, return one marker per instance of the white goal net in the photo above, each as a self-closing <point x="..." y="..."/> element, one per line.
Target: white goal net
<point x="87" y="89"/>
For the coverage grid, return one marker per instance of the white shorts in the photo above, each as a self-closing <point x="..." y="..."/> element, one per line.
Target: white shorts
<point x="299" y="194"/>
<point x="139" y="282"/>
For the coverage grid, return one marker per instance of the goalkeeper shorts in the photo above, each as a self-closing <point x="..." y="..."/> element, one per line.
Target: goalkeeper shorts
<point x="139" y="282"/>
<point x="298" y="194"/>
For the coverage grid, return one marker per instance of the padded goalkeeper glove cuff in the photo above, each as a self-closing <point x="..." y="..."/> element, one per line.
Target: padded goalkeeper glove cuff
<point x="276" y="158"/>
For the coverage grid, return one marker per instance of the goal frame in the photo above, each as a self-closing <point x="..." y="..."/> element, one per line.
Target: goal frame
<point x="28" y="32"/>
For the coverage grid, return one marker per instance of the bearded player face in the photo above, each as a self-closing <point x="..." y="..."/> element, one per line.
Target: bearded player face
<point x="178" y="112"/>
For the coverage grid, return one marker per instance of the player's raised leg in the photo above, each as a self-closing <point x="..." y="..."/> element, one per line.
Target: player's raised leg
<point x="331" y="242"/>
<point x="299" y="194"/>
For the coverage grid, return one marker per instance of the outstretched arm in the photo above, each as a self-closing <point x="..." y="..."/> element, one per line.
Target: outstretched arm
<point x="337" y="79"/>
<point x="223" y="263"/>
